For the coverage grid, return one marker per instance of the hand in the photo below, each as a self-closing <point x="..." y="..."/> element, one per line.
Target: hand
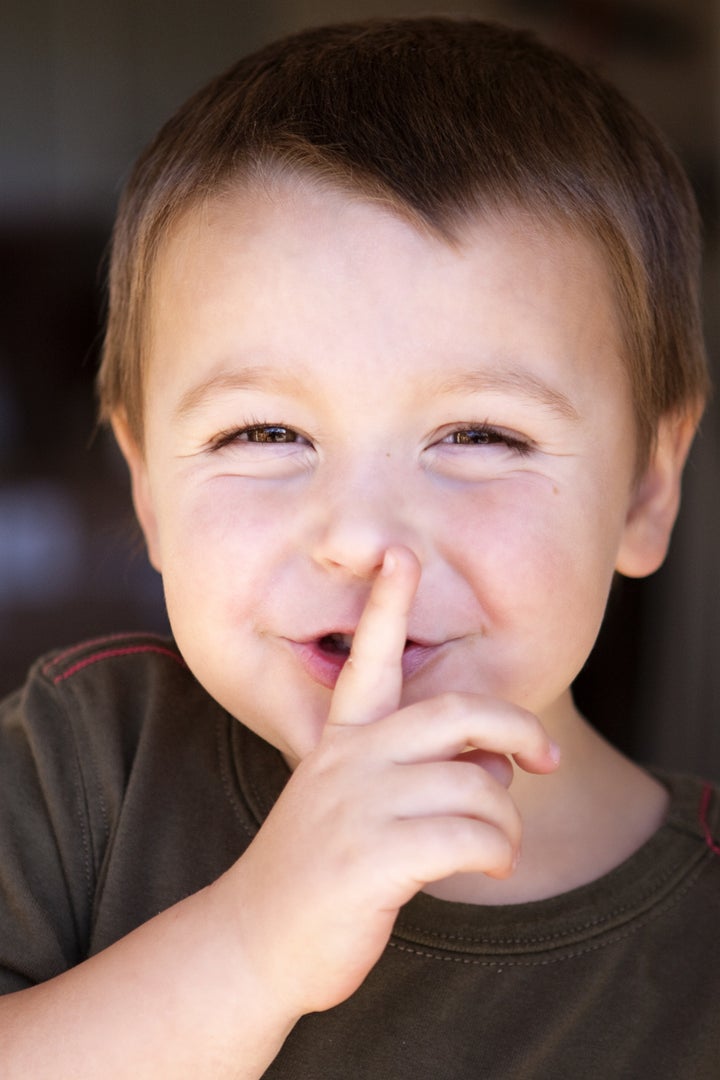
<point x="389" y="800"/>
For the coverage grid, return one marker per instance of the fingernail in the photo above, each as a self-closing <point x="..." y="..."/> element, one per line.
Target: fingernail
<point x="389" y="564"/>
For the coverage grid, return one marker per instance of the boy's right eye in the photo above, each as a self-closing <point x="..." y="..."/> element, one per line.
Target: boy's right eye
<point x="258" y="433"/>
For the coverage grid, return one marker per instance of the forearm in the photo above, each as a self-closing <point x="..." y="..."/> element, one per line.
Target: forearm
<point x="173" y="999"/>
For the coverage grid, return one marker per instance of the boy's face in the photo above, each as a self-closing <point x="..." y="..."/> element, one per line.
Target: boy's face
<point x="325" y="380"/>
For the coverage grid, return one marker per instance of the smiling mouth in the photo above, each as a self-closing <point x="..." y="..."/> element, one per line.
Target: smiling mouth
<point x="324" y="657"/>
<point x="341" y="644"/>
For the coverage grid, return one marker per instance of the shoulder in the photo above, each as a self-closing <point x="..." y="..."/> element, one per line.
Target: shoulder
<point x="683" y="860"/>
<point x="89" y="691"/>
<point x="694" y="811"/>
<point x="86" y="712"/>
<point x="106" y="682"/>
<point x="91" y="749"/>
<point x="69" y="738"/>
<point x="111" y="661"/>
<point x="76" y="722"/>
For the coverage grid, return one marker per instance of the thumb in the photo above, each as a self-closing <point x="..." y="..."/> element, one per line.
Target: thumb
<point x="370" y="683"/>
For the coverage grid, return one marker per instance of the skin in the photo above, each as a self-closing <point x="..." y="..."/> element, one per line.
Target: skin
<point x="375" y="345"/>
<point x="368" y="348"/>
<point x="355" y="329"/>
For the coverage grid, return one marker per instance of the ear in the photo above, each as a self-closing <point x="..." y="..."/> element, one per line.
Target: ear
<point x="140" y="485"/>
<point x="656" y="499"/>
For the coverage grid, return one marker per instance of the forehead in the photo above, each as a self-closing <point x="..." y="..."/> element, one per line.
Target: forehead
<point x="315" y="278"/>
<point x="287" y="217"/>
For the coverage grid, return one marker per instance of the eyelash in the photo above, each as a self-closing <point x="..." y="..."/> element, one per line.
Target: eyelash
<point x="225" y="438"/>
<point x="487" y="435"/>
<point x="492" y="436"/>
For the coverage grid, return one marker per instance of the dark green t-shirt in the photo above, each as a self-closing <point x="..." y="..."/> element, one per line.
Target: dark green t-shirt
<point x="124" y="788"/>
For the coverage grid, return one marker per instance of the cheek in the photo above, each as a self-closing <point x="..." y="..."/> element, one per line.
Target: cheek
<point x="218" y="522"/>
<point x="218" y="550"/>
<point x="529" y="550"/>
<point x="221" y="561"/>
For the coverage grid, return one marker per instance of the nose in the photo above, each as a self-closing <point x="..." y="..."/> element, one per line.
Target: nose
<point x="357" y="524"/>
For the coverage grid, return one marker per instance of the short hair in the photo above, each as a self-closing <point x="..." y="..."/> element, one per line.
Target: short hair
<point x="442" y="119"/>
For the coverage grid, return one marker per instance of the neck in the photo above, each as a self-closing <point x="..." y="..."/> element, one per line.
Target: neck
<point x="579" y="823"/>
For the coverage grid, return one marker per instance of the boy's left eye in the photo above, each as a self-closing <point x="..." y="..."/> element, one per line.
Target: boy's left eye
<point x="484" y="435"/>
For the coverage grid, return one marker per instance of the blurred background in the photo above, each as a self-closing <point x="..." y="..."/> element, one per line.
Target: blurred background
<point x="83" y="85"/>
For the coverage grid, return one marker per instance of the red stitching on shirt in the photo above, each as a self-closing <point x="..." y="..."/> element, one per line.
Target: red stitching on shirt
<point x="54" y="661"/>
<point x="703" y="814"/>
<point x="109" y="654"/>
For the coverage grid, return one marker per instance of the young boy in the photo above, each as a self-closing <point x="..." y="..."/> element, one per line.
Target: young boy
<point x="404" y="357"/>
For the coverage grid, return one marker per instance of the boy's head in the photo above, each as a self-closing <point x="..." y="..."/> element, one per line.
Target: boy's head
<point x="443" y="121"/>
<point x="418" y="284"/>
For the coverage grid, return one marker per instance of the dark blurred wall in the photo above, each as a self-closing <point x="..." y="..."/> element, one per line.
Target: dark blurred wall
<point x="82" y="87"/>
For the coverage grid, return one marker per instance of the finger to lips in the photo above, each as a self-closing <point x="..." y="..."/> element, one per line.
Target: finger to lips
<point x="370" y="684"/>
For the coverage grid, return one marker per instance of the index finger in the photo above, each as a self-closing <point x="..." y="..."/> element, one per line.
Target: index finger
<point x="370" y="683"/>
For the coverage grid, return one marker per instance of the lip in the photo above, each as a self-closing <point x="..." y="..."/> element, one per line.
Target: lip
<point x="324" y="668"/>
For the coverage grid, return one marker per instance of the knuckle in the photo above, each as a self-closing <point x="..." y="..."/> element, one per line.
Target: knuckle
<point x="462" y="832"/>
<point x="538" y="731"/>
<point x="480" y="786"/>
<point x="532" y="736"/>
<point x="486" y="846"/>
<point x="451" y="703"/>
<point x="503" y="859"/>
<point x="514" y="826"/>
<point x="336" y="750"/>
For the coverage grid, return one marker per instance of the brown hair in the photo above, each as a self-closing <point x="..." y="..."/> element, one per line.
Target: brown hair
<point x="443" y="119"/>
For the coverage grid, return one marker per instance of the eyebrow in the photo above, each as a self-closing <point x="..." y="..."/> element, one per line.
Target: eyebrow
<point x="246" y="378"/>
<point x="515" y="381"/>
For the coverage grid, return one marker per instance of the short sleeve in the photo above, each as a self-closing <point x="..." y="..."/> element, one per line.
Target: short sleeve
<point x="48" y="844"/>
<point x="117" y="799"/>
